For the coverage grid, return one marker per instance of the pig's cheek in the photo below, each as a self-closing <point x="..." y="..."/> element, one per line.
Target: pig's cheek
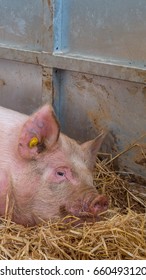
<point x="73" y="181"/>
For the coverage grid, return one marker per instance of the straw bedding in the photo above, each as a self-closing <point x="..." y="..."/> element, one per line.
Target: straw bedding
<point x="120" y="233"/>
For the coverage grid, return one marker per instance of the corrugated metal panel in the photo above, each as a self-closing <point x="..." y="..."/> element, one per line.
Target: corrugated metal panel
<point x="88" y="58"/>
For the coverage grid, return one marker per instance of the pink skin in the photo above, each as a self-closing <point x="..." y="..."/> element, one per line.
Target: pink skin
<point x="51" y="179"/>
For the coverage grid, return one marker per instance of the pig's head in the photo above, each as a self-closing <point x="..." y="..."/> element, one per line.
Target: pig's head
<point x="61" y="179"/>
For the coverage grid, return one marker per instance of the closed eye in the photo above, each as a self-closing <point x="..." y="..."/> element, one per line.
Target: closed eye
<point x="59" y="173"/>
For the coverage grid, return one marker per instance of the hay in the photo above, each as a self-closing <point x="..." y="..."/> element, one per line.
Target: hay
<point x="120" y="234"/>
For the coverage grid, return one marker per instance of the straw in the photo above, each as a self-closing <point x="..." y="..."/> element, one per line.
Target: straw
<point x="120" y="233"/>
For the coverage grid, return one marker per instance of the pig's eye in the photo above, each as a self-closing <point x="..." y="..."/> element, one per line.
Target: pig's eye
<point x="60" y="173"/>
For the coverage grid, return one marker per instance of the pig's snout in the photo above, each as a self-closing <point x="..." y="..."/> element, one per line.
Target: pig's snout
<point x="91" y="206"/>
<point x="98" y="204"/>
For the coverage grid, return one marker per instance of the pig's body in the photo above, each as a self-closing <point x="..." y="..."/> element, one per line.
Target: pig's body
<point x="43" y="173"/>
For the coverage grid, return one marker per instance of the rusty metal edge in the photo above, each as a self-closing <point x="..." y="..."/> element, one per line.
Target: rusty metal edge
<point x="76" y="63"/>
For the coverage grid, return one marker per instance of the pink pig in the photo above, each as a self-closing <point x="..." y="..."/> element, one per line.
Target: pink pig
<point x="43" y="173"/>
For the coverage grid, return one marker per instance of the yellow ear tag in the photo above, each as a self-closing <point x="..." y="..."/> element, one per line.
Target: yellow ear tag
<point x="33" y="142"/>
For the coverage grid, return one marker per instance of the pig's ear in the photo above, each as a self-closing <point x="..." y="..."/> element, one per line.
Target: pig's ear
<point x="40" y="132"/>
<point x="90" y="149"/>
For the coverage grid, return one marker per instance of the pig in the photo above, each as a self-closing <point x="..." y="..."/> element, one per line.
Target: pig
<point x="44" y="174"/>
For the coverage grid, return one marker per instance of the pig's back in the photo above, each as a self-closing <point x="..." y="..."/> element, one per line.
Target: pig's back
<point x="10" y="118"/>
<point x="11" y="123"/>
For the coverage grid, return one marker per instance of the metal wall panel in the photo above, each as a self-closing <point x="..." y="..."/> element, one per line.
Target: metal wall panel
<point x="87" y="104"/>
<point x="85" y="57"/>
<point x="25" y="24"/>
<point x="113" y="31"/>
<point x="20" y="86"/>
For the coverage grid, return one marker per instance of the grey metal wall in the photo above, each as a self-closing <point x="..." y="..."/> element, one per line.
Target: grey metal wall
<point x="86" y="57"/>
